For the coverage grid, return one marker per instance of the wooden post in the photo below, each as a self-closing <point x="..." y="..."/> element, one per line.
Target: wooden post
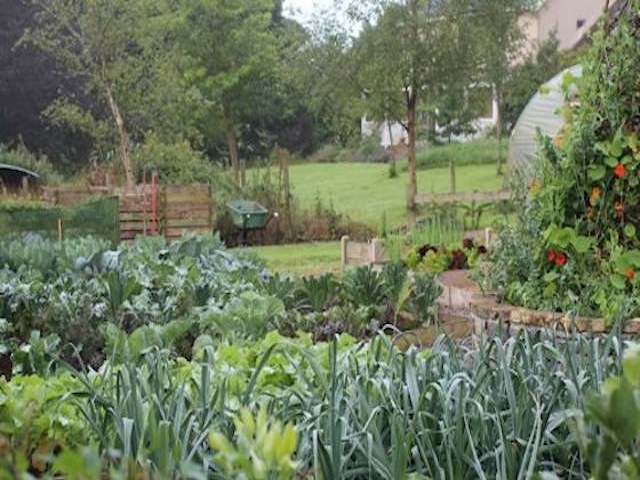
<point x="243" y="172"/>
<point x="283" y="161"/>
<point x="375" y="251"/>
<point x="210" y="227"/>
<point x="60" y="230"/>
<point x="344" y="241"/>
<point x="452" y="177"/>
<point x="487" y="237"/>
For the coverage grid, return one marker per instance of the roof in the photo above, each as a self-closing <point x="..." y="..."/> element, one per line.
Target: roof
<point x="18" y="170"/>
<point x="542" y="114"/>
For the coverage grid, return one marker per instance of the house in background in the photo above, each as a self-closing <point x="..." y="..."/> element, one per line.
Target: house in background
<point x="393" y="133"/>
<point x="570" y="21"/>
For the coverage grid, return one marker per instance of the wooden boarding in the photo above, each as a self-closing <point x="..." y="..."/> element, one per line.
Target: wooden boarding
<point x="362" y="253"/>
<point x="187" y="208"/>
<point x="181" y="209"/>
<point x="463" y="197"/>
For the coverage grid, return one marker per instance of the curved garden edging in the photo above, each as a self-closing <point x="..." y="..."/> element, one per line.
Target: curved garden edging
<point x="463" y="298"/>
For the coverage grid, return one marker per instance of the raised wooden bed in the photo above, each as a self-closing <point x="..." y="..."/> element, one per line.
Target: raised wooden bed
<point x="463" y="297"/>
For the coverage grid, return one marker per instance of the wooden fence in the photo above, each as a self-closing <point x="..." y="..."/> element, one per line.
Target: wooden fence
<point x="167" y="210"/>
<point x="454" y="197"/>
<point x="462" y="197"/>
<point x="362" y="253"/>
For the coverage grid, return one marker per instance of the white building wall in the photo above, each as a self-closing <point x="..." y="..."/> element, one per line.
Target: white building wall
<point x="399" y="134"/>
<point x="562" y="16"/>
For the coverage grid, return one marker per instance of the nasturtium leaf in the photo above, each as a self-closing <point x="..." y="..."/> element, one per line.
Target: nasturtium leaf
<point x="561" y="237"/>
<point x="581" y="244"/>
<point x="633" y="257"/>
<point x="629" y="230"/>
<point x="618" y="281"/>
<point x="597" y="172"/>
<point x="611" y="161"/>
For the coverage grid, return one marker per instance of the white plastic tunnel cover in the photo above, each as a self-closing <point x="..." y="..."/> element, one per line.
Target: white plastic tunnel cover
<point x="543" y="113"/>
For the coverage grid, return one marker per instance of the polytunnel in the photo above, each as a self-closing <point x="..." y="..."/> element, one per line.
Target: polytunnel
<point x="542" y="113"/>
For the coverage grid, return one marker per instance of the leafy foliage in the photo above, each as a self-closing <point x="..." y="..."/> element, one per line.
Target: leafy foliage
<point x="505" y="408"/>
<point x="89" y="301"/>
<point x="574" y="246"/>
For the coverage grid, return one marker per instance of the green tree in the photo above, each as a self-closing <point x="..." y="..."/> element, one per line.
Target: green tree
<point x="411" y="49"/>
<point x="230" y="49"/>
<point x="123" y="54"/>
<point x="500" y="39"/>
<point x="92" y="39"/>
<point x="325" y="69"/>
<point x="527" y="77"/>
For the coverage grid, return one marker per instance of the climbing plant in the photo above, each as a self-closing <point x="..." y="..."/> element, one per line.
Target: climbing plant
<point x="583" y="208"/>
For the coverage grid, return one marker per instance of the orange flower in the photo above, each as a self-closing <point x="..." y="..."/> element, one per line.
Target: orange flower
<point x="630" y="273"/>
<point x="595" y="195"/>
<point x="619" y="208"/>
<point x="620" y="170"/>
<point x="590" y="213"/>
<point x="534" y="185"/>
<point x="558" y="140"/>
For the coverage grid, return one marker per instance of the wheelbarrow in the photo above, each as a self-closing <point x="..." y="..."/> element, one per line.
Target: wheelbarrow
<point x="248" y="215"/>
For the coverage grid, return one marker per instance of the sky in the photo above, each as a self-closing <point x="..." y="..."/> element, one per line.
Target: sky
<point x="303" y="10"/>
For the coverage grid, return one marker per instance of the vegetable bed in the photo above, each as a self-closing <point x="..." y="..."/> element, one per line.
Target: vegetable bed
<point x="187" y="361"/>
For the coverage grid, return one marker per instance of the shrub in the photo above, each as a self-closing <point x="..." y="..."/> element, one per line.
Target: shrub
<point x="577" y="228"/>
<point x="474" y="152"/>
<point x="179" y="163"/>
<point x="22" y="157"/>
<point x="366" y="149"/>
<point x="321" y="223"/>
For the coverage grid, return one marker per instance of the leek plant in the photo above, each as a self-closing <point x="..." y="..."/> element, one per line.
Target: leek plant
<point x="498" y="408"/>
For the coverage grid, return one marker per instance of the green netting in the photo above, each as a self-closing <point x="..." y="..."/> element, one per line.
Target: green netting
<point x="99" y="217"/>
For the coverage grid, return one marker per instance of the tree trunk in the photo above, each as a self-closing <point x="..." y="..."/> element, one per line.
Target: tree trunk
<point x="391" y="146"/>
<point x="412" y="104"/>
<point x="232" y="141"/>
<point x="412" y="185"/>
<point x="124" y="137"/>
<point x="390" y="131"/>
<point x="499" y="130"/>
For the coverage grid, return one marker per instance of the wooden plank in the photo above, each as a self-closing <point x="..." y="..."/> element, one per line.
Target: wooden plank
<point x="463" y="197"/>
<point x="198" y="214"/>
<point x="188" y="223"/>
<point x="140" y="226"/>
<point x="135" y="216"/>
<point x="188" y="199"/>
<point x="195" y="187"/>
<point x="178" y="232"/>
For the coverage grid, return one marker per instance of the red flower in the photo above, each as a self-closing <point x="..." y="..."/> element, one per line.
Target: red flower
<point x="551" y="255"/>
<point x="561" y="259"/>
<point x="620" y="170"/>
<point x="630" y="273"/>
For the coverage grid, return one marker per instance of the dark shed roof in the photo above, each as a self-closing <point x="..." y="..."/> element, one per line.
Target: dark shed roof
<point x="15" y="170"/>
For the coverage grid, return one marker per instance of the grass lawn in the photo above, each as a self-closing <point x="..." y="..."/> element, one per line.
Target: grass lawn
<point x="476" y="152"/>
<point x="301" y="258"/>
<point x="364" y="190"/>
